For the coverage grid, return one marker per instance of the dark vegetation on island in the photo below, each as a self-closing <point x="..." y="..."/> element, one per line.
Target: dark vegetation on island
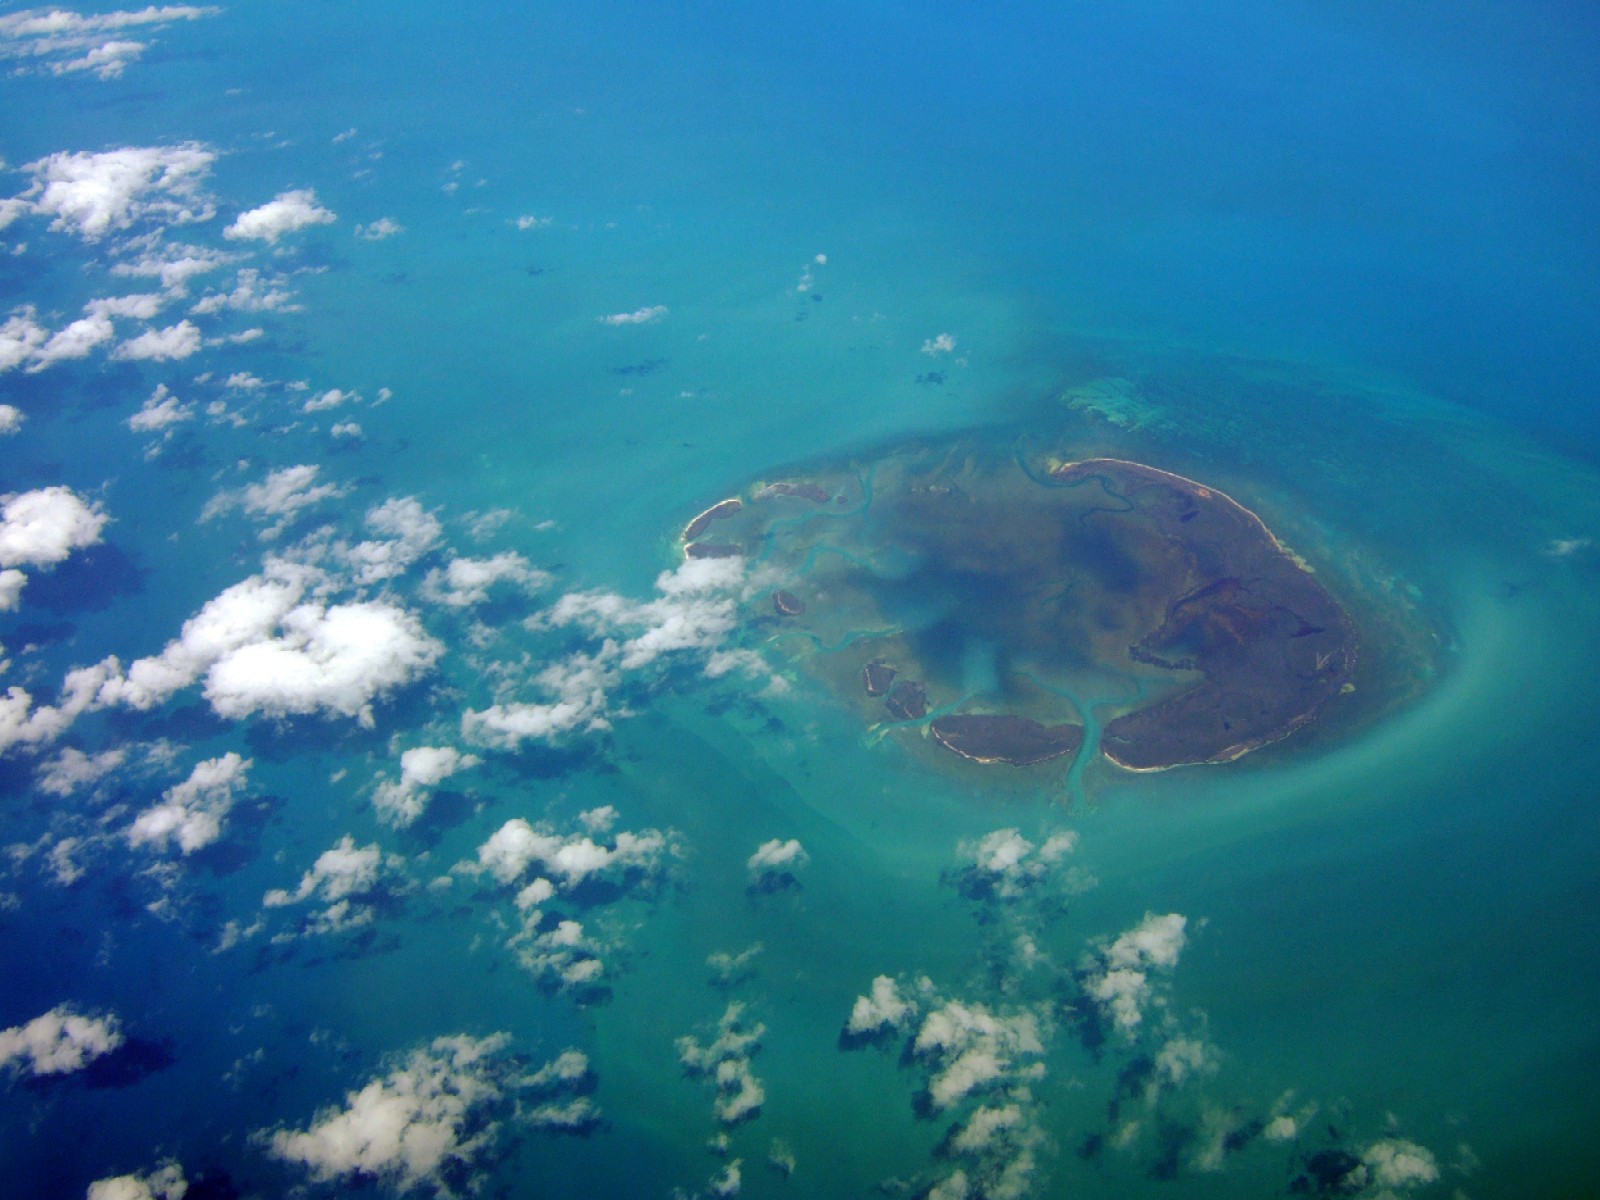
<point x="997" y="587"/>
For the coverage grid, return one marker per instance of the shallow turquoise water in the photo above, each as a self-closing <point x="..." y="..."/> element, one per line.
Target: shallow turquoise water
<point x="1343" y="265"/>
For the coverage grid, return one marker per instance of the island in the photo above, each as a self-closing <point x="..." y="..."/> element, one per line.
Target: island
<point x="988" y="599"/>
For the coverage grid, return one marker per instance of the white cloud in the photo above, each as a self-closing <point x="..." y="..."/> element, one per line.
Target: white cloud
<point x="346" y="429"/>
<point x="986" y="1125"/>
<point x="376" y="231"/>
<point x="162" y="345"/>
<point x="12" y="581"/>
<point x="1154" y="942"/>
<point x="42" y="527"/>
<point x="192" y="812"/>
<point x="24" y="724"/>
<point x="58" y="1042"/>
<point x="140" y="306"/>
<point x="343" y="880"/>
<point x="262" y="648"/>
<point x="160" y="410"/>
<point x="880" y="1009"/>
<point x="945" y="343"/>
<point x="1119" y="977"/>
<point x="338" y="658"/>
<point x="284" y="494"/>
<point x="694" y="611"/>
<point x="287" y="213"/>
<point x="422" y="768"/>
<point x="529" y="221"/>
<point x="1557" y="547"/>
<point x="93" y="194"/>
<point x="173" y="263"/>
<point x="74" y="341"/>
<point x="408" y="532"/>
<point x="1006" y="864"/>
<point x="974" y="1049"/>
<point x="252" y="292"/>
<point x="332" y="398"/>
<point x="166" y="1182"/>
<point x="408" y="1127"/>
<point x="777" y="857"/>
<point x="1395" y="1163"/>
<point x="72" y="770"/>
<point x="1180" y="1059"/>
<point x="569" y="859"/>
<point x="64" y="42"/>
<point x="106" y="61"/>
<point x="579" y="683"/>
<point x="639" y="316"/>
<point x="247" y="612"/>
<point x="464" y="582"/>
<point x="21" y="335"/>
<point x="725" y="1061"/>
<point x="11" y="418"/>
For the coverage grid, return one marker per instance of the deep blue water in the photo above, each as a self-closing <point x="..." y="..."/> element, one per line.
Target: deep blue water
<point x="1338" y="260"/>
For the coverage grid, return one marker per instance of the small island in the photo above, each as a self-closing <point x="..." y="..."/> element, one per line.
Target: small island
<point x="984" y="598"/>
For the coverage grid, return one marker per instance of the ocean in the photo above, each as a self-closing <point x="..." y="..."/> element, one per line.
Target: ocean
<point x="405" y="343"/>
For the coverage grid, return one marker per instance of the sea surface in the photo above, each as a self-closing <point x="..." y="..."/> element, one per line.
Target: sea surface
<point x="548" y="281"/>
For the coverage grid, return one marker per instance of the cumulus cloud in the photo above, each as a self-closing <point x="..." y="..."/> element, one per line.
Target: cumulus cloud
<point x="282" y="496"/>
<point x="40" y="529"/>
<point x="725" y="1062"/>
<point x="74" y="341"/>
<point x="252" y="292"/>
<point x="11" y="418"/>
<point x="973" y="1049"/>
<point x="286" y="213"/>
<point x="21" y="335"/>
<point x="579" y="684"/>
<point x="72" y="770"/>
<point x="945" y="343"/>
<point x="559" y="951"/>
<point x="332" y="398"/>
<point x="406" y="531"/>
<point x="407" y="1128"/>
<point x="464" y="582"/>
<point x="43" y="527"/>
<point x="1118" y="976"/>
<point x="880" y="1010"/>
<point x="191" y="813"/>
<point x="776" y="859"/>
<point x="162" y="345"/>
<point x="376" y="231"/>
<point x="24" y="723"/>
<point x="693" y="612"/>
<point x="422" y="768"/>
<point x="166" y="1182"/>
<point x="62" y="42"/>
<point x="262" y="647"/>
<point x="1395" y="1163"/>
<point x="92" y="194"/>
<point x="345" y="881"/>
<point x="336" y="659"/>
<point x="568" y="859"/>
<point x="139" y="306"/>
<point x="1006" y="864"/>
<point x="58" y="1042"/>
<point x="160" y="410"/>
<point x="639" y="316"/>
<point x="173" y="264"/>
